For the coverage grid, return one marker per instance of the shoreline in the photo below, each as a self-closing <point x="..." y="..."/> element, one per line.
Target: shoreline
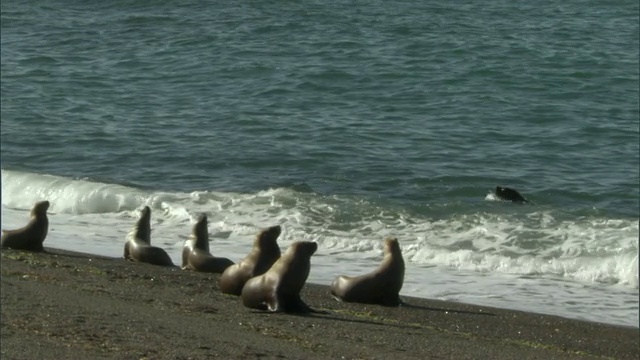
<point x="507" y="304"/>
<point x="85" y="305"/>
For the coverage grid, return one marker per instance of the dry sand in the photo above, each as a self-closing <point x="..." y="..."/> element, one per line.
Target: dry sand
<point x="63" y="305"/>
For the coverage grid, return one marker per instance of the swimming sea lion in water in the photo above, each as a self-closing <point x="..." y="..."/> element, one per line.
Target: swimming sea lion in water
<point x="195" y="253"/>
<point x="381" y="286"/>
<point x="31" y="236"/>
<point x="265" y="252"/>
<point x="279" y="288"/>
<point x="138" y="245"/>
<point x="504" y="193"/>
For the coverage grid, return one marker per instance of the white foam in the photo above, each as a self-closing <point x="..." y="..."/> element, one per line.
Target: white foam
<point x="491" y="196"/>
<point x="20" y="190"/>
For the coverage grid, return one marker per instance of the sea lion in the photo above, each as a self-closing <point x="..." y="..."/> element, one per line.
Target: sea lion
<point x="279" y="288"/>
<point x="381" y="286"/>
<point x="504" y="193"/>
<point x="31" y="236"/>
<point x="265" y="252"/>
<point x="138" y="245"/>
<point x="195" y="253"/>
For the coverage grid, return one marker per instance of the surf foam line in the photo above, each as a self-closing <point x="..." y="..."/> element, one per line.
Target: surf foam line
<point x="21" y="189"/>
<point x="591" y="250"/>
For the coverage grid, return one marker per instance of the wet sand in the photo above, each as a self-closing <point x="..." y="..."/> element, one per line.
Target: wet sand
<point x="64" y="305"/>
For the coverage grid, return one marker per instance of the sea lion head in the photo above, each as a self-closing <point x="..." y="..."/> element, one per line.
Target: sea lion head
<point x="267" y="239"/>
<point x="201" y="232"/>
<point x="505" y="193"/>
<point x="40" y="208"/>
<point x="145" y="212"/>
<point x="306" y="248"/>
<point x="391" y="246"/>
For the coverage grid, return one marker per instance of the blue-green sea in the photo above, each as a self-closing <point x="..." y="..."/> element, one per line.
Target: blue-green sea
<point x="345" y="122"/>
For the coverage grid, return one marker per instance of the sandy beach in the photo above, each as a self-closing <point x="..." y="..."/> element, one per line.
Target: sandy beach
<point x="64" y="305"/>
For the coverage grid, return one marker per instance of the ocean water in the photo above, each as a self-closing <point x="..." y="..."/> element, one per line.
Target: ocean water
<point x="345" y="122"/>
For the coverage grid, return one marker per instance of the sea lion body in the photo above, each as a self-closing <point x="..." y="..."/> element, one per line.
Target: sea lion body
<point x="196" y="254"/>
<point x="381" y="286"/>
<point x="508" y="194"/>
<point x="31" y="236"/>
<point x="279" y="288"/>
<point x="138" y="245"/>
<point x="265" y="253"/>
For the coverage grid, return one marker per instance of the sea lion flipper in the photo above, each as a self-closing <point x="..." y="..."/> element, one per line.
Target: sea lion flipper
<point x="303" y="307"/>
<point x="272" y="302"/>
